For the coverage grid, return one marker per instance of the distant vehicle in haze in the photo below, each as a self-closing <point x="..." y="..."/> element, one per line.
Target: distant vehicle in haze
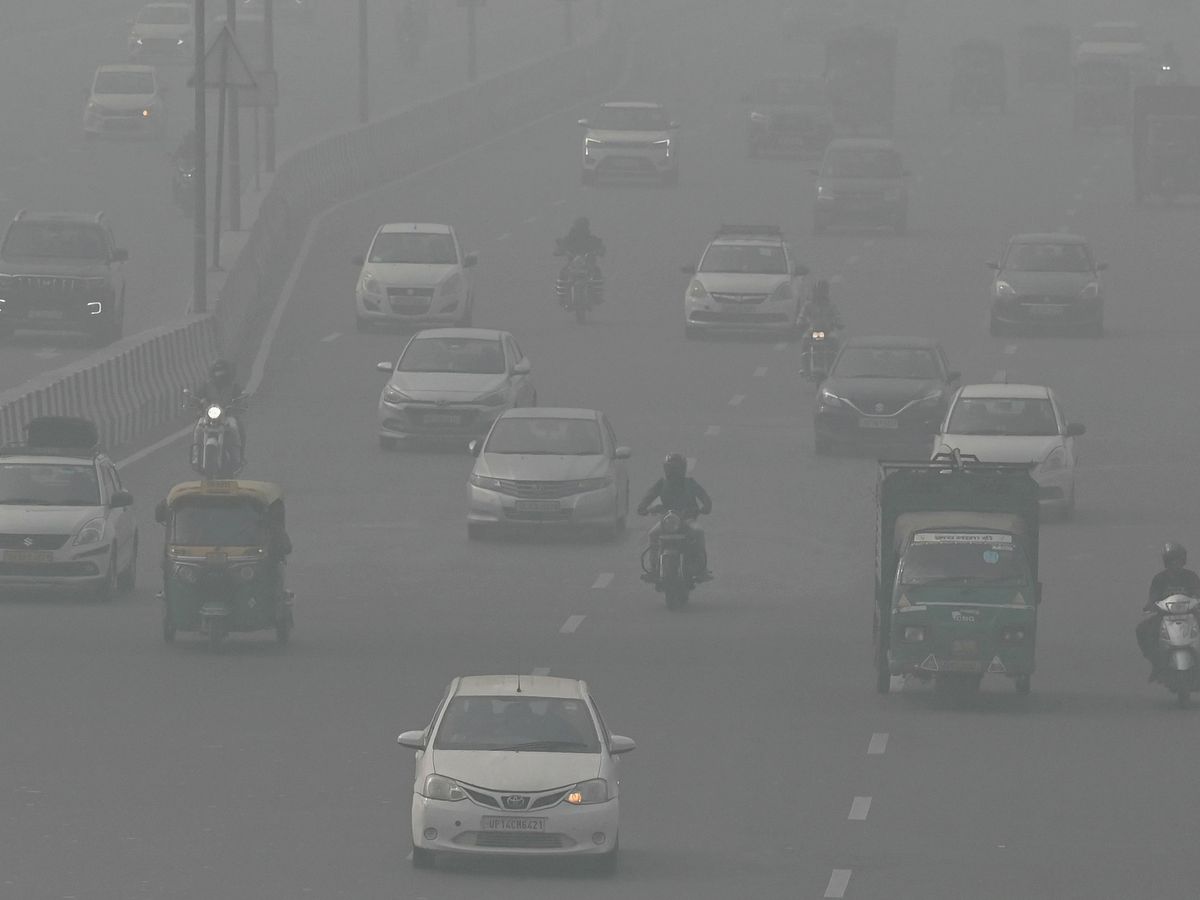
<point x="125" y="101"/>
<point x="162" y="32"/>
<point x="630" y="139"/>
<point x="861" y="181"/>
<point x="788" y="115"/>
<point x="1047" y="281"/>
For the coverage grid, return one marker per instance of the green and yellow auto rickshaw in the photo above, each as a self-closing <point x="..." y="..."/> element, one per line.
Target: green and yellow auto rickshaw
<point x="223" y="560"/>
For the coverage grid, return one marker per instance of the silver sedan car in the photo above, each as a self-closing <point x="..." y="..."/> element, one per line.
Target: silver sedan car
<point x="452" y="382"/>
<point x="548" y="467"/>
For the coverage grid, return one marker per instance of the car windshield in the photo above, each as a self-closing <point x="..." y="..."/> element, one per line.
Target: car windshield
<point x="1048" y="257"/>
<point x="790" y="92"/>
<point x="123" y="83"/>
<point x="546" y="437"/>
<point x="862" y="162"/>
<point x="70" y="240"/>
<point x="164" y="15"/>
<point x="1115" y="33"/>
<point x="630" y="118"/>
<point x="218" y="522"/>
<point x="536" y="724"/>
<point x="48" y="484"/>
<point x="468" y="355"/>
<point x="886" y="362"/>
<point x="421" y="248"/>
<point x="745" y="259"/>
<point x="954" y="562"/>
<point x="1001" y="415"/>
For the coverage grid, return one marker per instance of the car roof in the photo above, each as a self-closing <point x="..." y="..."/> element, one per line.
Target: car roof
<point x="863" y="143"/>
<point x="419" y="227"/>
<point x="1047" y="237"/>
<point x="886" y="340"/>
<point x="124" y="67"/>
<point x="631" y="104"/>
<point x="511" y="685"/>
<point x="549" y="412"/>
<point x="998" y="391"/>
<point x="478" y="334"/>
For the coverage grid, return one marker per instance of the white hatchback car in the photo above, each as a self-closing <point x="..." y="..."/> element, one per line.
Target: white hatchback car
<point x="517" y="765"/>
<point x="162" y="32"/>
<point x="630" y="138"/>
<point x="125" y="100"/>
<point x="414" y="274"/>
<point x="1016" y="423"/>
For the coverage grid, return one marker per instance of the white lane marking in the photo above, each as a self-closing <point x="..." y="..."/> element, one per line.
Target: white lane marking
<point x="712" y="430"/>
<point x="736" y="399"/>
<point x="760" y="372"/>
<point x="782" y="345"/>
<point x="155" y="447"/>
<point x="47" y="353"/>
<point x="878" y="743"/>
<point x="1000" y="376"/>
<point x="859" y="809"/>
<point x="946" y="151"/>
<point x="331" y="337"/>
<point x="852" y="259"/>
<point x="837" y="279"/>
<point x="572" y="623"/>
<point x="838" y="882"/>
<point x="504" y="237"/>
<point x="531" y="220"/>
<point x="603" y="580"/>
<point x="541" y="670"/>
<point x="1010" y="350"/>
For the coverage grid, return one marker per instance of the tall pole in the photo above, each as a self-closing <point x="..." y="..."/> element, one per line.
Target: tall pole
<point x="269" y="53"/>
<point x="221" y="103"/>
<point x="363" y="112"/>
<point x="235" y="140"/>
<point x="199" y="189"/>
<point x="472" y="68"/>
<point x="569" y="21"/>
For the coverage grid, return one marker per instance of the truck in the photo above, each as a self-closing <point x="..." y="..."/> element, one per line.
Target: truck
<point x="860" y="77"/>
<point x="956" y="578"/>
<point x="1166" y="141"/>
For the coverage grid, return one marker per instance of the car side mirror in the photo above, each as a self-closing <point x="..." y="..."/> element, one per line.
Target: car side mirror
<point x="688" y="270"/>
<point x="1074" y="429"/>
<point x="474" y="447"/>
<point x="160" y="512"/>
<point x="120" y="255"/>
<point x="622" y="453"/>
<point x="993" y="265"/>
<point x="619" y="744"/>
<point x="584" y="122"/>
<point x="953" y="376"/>
<point x="358" y="261"/>
<point x="413" y="740"/>
<point x="1100" y="267"/>
<point x="120" y="500"/>
<point x="470" y="259"/>
<point x="800" y="270"/>
<point x="524" y="367"/>
<point x="385" y="366"/>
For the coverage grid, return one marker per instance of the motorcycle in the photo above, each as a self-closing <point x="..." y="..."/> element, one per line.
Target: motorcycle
<point x="821" y="348"/>
<point x="1168" y="73"/>
<point x="1179" y="646"/>
<point x="579" y="287"/>
<point x="183" y="186"/>
<point x="216" y="440"/>
<point x="671" y="566"/>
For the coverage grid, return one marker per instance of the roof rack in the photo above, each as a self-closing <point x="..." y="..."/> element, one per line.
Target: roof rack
<point x="750" y="230"/>
<point x="57" y="436"/>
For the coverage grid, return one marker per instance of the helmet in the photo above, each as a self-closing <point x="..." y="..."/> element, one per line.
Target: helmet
<point x="675" y="465"/>
<point x="1174" y="555"/>
<point x="821" y="290"/>
<point x="220" y="372"/>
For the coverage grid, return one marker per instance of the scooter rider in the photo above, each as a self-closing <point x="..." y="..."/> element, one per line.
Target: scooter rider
<point x="579" y="241"/>
<point x="818" y="311"/>
<point x="1173" y="579"/>
<point x="222" y="389"/>
<point x="683" y="494"/>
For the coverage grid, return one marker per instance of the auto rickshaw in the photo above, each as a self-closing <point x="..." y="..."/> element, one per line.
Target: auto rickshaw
<point x="223" y="560"/>
<point x="978" y="76"/>
<point x="1045" y="53"/>
<point x="1103" y="94"/>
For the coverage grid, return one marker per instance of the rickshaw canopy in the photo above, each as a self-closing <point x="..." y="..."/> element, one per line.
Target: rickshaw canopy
<point x="263" y="492"/>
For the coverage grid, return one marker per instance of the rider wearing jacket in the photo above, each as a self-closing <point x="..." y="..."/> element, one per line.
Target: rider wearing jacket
<point x="222" y="389"/>
<point x="675" y="490"/>
<point x="1173" y="579"/>
<point x="580" y="241"/>
<point x="819" y="312"/>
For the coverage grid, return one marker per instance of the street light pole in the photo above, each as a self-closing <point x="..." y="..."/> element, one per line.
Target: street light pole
<point x="269" y="53"/>
<point x="199" y="189"/>
<point x="235" y="140"/>
<point x="363" y="110"/>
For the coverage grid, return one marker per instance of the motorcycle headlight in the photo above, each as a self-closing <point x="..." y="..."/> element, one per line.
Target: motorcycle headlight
<point x="187" y="574"/>
<point x="92" y="532"/>
<point x="1090" y="291"/>
<point x="391" y="395"/>
<point x="697" y="291"/>
<point x="439" y="787"/>
<point x="482" y="481"/>
<point x="371" y="285"/>
<point x="451" y="285"/>
<point x="830" y="399"/>
<point x="783" y="293"/>
<point x="1004" y="289"/>
<point x="214" y="412"/>
<point x="818" y="335"/>
<point x="1056" y="460"/>
<point x="594" y="791"/>
<point x="496" y="398"/>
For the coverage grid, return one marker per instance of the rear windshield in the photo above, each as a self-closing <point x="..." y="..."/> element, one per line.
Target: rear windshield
<point x="45" y="484"/>
<point x="1003" y="416"/>
<point x="164" y="15"/>
<point x="546" y="437"/>
<point x="862" y="162"/>
<point x="71" y="240"/>
<point x="967" y="563"/>
<point x="790" y="92"/>
<point x="1047" y="257"/>
<point x="124" y="83"/>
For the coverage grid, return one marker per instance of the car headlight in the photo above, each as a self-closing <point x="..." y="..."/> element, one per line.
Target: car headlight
<point x="482" y="481"/>
<point x="1057" y="459"/>
<point x="697" y="291"/>
<point x="439" y="787"/>
<point x="934" y="398"/>
<point x="594" y="791"/>
<point x="823" y="191"/>
<point x="1090" y="291"/>
<point x="758" y="118"/>
<point x="392" y="395"/>
<point x="371" y="285"/>
<point x="593" y="484"/>
<point x="138" y="41"/>
<point x="818" y="335"/>
<point x="830" y="399"/>
<point x="451" y="285"/>
<point x="590" y="144"/>
<point x="495" y="398"/>
<point x="783" y="293"/>
<point x="1004" y="289"/>
<point x="187" y="574"/>
<point x="179" y="42"/>
<point x="664" y="144"/>
<point x="92" y="532"/>
<point x="146" y="112"/>
<point x="92" y="107"/>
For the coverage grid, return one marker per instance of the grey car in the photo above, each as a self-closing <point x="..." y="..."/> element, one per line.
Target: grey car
<point x="1047" y="281"/>
<point x="861" y="181"/>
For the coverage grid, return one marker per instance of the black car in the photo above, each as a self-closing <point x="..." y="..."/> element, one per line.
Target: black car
<point x="883" y="391"/>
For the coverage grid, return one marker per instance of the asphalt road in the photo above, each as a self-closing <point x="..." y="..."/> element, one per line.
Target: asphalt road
<point x="766" y="764"/>
<point x="46" y="67"/>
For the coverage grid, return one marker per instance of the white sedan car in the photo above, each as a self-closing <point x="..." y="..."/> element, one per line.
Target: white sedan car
<point x="1016" y="423"/>
<point x="516" y="765"/>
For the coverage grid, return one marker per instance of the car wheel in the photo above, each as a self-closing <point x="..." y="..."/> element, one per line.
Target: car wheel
<point x="1022" y="684"/>
<point x="387" y="443"/>
<point x="465" y="321"/>
<point x="1068" y="510"/>
<point x="127" y="580"/>
<point x="422" y="858"/>
<point x="752" y="150"/>
<point x="108" y="588"/>
<point x="533" y="399"/>
<point x="168" y="628"/>
<point x="109" y="332"/>
<point x="1096" y="329"/>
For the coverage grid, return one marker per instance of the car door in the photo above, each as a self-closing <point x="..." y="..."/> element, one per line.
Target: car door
<point x="521" y="384"/>
<point x="620" y="468"/>
<point x="120" y="519"/>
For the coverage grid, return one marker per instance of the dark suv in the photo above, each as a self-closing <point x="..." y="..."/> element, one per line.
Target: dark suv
<point x="62" y="272"/>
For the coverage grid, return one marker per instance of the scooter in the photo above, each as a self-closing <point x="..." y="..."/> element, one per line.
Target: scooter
<point x="578" y="288"/>
<point x="672" y="569"/>
<point x="822" y="347"/>
<point x="1179" y="646"/>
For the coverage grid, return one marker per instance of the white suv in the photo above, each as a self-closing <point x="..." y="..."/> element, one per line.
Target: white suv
<point x="748" y="280"/>
<point x="630" y="139"/>
<point x="125" y="100"/>
<point x="414" y="274"/>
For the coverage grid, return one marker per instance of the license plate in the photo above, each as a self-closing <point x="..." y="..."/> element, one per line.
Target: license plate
<point x="868" y="422"/>
<point x="538" y="505"/>
<point x="1046" y="310"/>
<point x="28" y="556"/>
<point x="54" y="314"/>
<point x="965" y="648"/>
<point x="512" y="823"/>
<point x="441" y="419"/>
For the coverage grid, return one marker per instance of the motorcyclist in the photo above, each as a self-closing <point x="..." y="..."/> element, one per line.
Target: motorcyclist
<point x="678" y="492"/>
<point x="1169" y="66"/>
<point x="222" y="388"/>
<point x="818" y="312"/>
<point x="579" y="241"/>
<point x="1173" y="579"/>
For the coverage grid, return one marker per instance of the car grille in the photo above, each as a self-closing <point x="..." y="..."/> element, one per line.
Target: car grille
<point x="159" y="45"/>
<point x="790" y="122"/>
<point x="626" y="145"/>
<point x="68" y="291"/>
<point x="36" y="541"/>
<point x="538" y="490"/>
<point x="515" y="802"/>
<point x="509" y="840"/>
<point x="871" y="407"/>
<point x="740" y="298"/>
<point x="538" y="515"/>
<point x="860" y="198"/>
<point x="407" y="293"/>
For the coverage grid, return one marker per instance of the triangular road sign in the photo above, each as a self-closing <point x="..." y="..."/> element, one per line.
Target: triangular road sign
<point x="237" y="73"/>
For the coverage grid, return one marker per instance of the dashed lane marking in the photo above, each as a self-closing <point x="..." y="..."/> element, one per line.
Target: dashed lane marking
<point x="603" y="580"/>
<point x="561" y="202"/>
<point x="1000" y="376"/>
<point x="1071" y="213"/>
<point x="1078" y="198"/>
<point x="878" y="743"/>
<point x="736" y="399"/>
<point x="859" y="808"/>
<point x="572" y="623"/>
<point x="531" y="220"/>
<point x="541" y="670"/>
<point x="712" y="430"/>
<point x="869" y="242"/>
<point x="760" y="372"/>
<point x="331" y="337"/>
<point x="838" y="882"/>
